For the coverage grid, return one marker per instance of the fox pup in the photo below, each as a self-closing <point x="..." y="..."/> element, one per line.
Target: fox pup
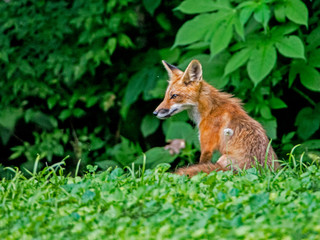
<point x="222" y="122"/>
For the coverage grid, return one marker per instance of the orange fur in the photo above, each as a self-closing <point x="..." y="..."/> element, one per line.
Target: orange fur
<point x="223" y="124"/>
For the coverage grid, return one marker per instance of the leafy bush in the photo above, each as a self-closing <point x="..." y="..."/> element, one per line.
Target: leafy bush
<point x="65" y="67"/>
<point x="51" y="53"/>
<point x="75" y="75"/>
<point x="256" y="48"/>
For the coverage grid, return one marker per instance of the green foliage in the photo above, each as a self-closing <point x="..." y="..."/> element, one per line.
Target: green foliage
<point x="308" y="121"/>
<point x="149" y="125"/>
<point x="155" y="156"/>
<point x="82" y="78"/>
<point x="159" y="205"/>
<point x="66" y="84"/>
<point x="51" y="51"/>
<point x="269" y="42"/>
<point x="151" y="5"/>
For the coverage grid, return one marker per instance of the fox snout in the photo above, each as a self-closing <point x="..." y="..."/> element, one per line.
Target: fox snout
<point x="161" y="113"/>
<point x="164" y="113"/>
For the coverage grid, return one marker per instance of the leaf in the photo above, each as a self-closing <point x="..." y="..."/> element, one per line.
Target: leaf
<point x="262" y="14"/>
<point x="65" y="114"/>
<point x="308" y="122"/>
<point x="297" y="12"/>
<point x="280" y="13"/>
<point x="245" y="14"/>
<point x="8" y="119"/>
<point x="149" y="125"/>
<point x="25" y="67"/>
<point x="170" y="55"/>
<point x="96" y="143"/>
<point x="116" y="173"/>
<point x="151" y="82"/>
<point x="293" y="184"/>
<point x="287" y="138"/>
<point x="294" y="70"/>
<point x="270" y="125"/>
<point x="41" y="119"/>
<point x="239" y="27"/>
<point x="310" y="78"/>
<point x="87" y="196"/>
<point x="151" y="5"/>
<point x="221" y="38"/>
<point x="181" y="130"/>
<point x="156" y="156"/>
<point x="261" y="62"/>
<point x="291" y="46"/>
<point x="265" y="112"/>
<point x="92" y="100"/>
<point x="135" y="86"/>
<point x="125" y="41"/>
<point x="105" y="164"/>
<point x="258" y="201"/>
<point x="278" y="31"/>
<point x="11" y="70"/>
<point x="4" y="56"/>
<point x="52" y="101"/>
<point x="163" y="21"/>
<point x="314" y="58"/>
<point x="198" y="6"/>
<point x="237" y="60"/>
<point x="125" y="152"/>
<point x="312" y="144"/>
<point x="194" y="29"/>
<point x="277" y="103"/>
<point x="313" y="39"/>
<point x="143" y="81"/>
<point x="78" y="112"/>
<point x="111" y="45"/>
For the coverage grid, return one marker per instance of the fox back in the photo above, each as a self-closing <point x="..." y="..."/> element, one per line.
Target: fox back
<point x="222" y="122"/>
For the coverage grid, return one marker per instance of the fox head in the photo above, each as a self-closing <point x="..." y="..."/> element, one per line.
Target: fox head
<point x="183" y="90"/>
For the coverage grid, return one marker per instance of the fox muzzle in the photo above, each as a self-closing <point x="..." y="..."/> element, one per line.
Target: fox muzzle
<point x="164" y="113"/>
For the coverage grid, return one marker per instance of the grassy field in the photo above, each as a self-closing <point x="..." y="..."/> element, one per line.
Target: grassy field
<point x="161" y="205"/>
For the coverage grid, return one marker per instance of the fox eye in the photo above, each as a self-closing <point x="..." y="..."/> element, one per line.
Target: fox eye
<point x="173" y="96"/>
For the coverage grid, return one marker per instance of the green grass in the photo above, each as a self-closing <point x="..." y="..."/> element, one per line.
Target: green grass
<point x="160" y="205"/>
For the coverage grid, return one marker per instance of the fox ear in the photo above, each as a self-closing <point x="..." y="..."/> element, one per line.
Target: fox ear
<point x="193" y="73"/>
<point x="171" y="69"/>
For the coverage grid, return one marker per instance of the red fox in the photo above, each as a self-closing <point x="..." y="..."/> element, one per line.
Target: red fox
<point x="222" y="122"/>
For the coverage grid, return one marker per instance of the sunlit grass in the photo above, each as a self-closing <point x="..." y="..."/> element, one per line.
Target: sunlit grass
<point x="155" y="204"/>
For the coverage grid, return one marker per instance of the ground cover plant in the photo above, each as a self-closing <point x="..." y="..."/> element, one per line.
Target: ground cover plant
<point x="156" y="204"/>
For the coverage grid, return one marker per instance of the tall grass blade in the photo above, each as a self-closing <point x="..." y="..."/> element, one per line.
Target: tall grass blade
<point x="35" y="167"/>
<point x="301" y="162"/>
<point x="291" y="153"/>
<point x="77" y="168"/>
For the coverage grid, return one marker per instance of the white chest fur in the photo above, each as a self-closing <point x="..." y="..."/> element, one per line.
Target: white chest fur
<point x="194" y="115"/>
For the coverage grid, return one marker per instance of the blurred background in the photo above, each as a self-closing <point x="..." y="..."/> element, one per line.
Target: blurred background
<point x="82" y="78"/>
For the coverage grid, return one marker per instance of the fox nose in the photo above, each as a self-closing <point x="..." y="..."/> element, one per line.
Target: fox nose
<point x="155" y="113"/>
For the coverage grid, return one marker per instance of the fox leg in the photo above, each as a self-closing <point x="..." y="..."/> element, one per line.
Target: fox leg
<point x="207" y="148"/>
<point x="201" y="167"/>
<point x="209" y="138"/>
<point x="205" y="157"/>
